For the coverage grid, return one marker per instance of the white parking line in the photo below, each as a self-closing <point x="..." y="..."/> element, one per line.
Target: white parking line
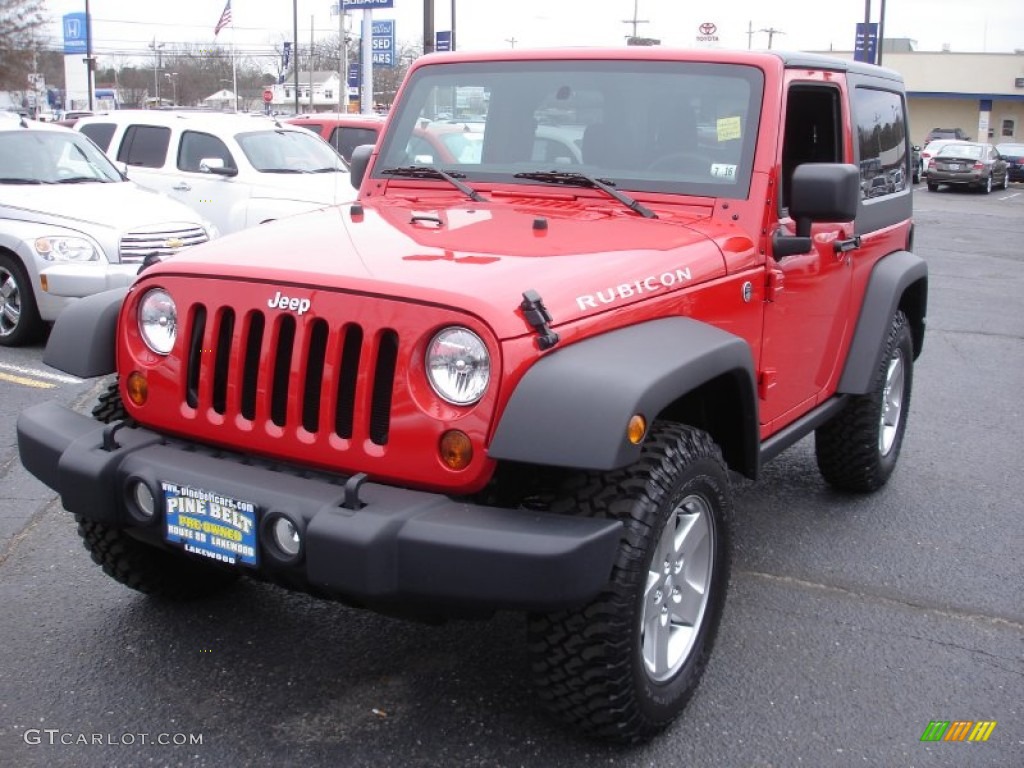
<point x="1010" y="197"/>
<point x="41" y="374"/>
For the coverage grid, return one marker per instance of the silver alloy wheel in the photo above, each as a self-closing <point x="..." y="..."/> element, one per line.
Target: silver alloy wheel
<point x="988" y="184"/>
<point x="678" y="582"/>
<point x="892" y="403"/>
<point x="10" y="303"/>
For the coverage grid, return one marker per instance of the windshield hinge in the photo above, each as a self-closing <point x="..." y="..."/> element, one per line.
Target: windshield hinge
<point x="537" y="315"/>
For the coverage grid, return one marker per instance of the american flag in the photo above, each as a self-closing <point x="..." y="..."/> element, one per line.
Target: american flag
<point x="225" y="19"/>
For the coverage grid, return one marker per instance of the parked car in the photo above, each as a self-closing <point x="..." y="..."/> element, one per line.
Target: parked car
<point x="929" y="151"/>
<point x="1013" y="154"/>
<point x="72" y="226"/>
<point x="237" y="170"/>
<point x="344" y="132"/>
<point x="507" y="384"/>
<point x="957" y="134"/>
<point x="968" y="164"/>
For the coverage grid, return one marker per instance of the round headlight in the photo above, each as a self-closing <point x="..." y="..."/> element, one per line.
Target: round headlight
<point x="158" y="320"/>
<point x="458" y="366"/>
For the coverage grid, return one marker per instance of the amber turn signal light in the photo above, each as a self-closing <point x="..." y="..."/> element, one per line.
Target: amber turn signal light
<point x="138" y="388"/>
<point x="636" y="429"/>
<point x="456" y="449"/>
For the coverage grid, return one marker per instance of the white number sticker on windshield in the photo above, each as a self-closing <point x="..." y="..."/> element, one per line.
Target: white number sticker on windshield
<point x="723" y="171"/>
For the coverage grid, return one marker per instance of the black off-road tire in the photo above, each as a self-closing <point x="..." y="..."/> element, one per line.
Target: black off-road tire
<point x="134" y="563"/>
<point x="148" y="569"/>
<point x="17" y="291"/>
<point x="589" y="664"/>
<point x="932" y="187"/>
<point x="851" y="450"/>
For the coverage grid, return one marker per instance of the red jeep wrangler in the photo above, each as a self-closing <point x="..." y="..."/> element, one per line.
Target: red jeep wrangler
<point x="520" y="379"/>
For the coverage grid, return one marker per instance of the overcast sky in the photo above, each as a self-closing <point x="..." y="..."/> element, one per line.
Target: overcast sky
<point x="985" y="25"/>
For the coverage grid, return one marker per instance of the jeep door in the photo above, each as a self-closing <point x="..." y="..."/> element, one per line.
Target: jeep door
<point x="807" y="313"/>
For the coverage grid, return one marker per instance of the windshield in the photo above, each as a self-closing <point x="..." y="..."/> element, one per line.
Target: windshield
<point x="52" y="157"/>
<point x="960" y="150"/>
<point x="653" y="126"/>
<point x="289" y="151"/>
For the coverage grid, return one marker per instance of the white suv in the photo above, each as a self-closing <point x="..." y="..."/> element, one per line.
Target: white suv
<point x="236" y="170"/>
<point x="72" y="226"/>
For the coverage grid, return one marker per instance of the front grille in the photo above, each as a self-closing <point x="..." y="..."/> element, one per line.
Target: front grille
<point x="162" y="240"/>
<point x="293" y="372"/>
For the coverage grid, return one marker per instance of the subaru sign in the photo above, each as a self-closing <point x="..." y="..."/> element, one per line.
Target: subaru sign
<point x="74" y="33"/>
<point x="367" y="5"/>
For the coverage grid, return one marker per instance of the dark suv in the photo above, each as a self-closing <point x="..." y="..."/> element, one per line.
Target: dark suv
<point x="957" y="134"/>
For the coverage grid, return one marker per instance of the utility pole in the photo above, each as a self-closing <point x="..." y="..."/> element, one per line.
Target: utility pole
<point x="511" y="41"/>
<point x="771" y="33"/>
<point x="750" y="35"/>
<point x="428" y="26"/>
<point x="88" y="53"/>
<point x="635" y="21"/>
<point x="295" y="50"/>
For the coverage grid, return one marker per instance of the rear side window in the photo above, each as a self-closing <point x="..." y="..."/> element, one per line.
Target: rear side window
<point x="881" y="138"/>
<point x="100" y="133"/>
<point x="144" y="145"/>
<point x="346" y="139"/>
<point x="196" y="147"/>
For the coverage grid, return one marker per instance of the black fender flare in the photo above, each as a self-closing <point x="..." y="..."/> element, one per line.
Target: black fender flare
<point x="84" y="336"/>
<point x="898" y="281"/>
<point x="571" y="408"/>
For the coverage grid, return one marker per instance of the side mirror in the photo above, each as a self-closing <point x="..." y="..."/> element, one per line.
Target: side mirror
<point x="820" y="192"/>
<point x="216" y="166"/>
<point x="359" y="162"/>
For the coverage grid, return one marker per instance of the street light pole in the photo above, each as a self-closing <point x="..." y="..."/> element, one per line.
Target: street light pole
<point x="157" y="49"/>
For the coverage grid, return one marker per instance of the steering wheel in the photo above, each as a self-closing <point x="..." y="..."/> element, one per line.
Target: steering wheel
<point x="680" y="161"/>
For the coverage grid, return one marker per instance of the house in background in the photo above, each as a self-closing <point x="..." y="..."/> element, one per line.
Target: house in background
<point x="324" y="90"/>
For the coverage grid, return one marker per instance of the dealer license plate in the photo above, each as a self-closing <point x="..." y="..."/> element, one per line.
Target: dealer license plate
<point x="210" y="525"/>
<point x="954" y="166"/>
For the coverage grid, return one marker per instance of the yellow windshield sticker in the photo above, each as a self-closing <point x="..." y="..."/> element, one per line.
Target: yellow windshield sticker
<point x="728" y="128"/>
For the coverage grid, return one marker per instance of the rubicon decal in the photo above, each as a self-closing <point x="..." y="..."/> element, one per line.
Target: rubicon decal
<point x="624" y="291"/>
<point x="289" y="303"/>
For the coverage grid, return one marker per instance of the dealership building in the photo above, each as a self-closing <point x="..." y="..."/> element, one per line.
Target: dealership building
<point x="983" y="93"/>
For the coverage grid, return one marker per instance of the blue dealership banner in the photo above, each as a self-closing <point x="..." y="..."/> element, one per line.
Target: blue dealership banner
<point x="866" y="44"/>
<point x="75" y="30"/>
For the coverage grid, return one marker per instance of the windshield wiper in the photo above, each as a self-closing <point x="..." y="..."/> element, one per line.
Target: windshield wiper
<point x="80" y="180"/>
<point x="573" y="179"/>
<point x="426" y="172"/>
<point x="13" y="180"/>
<point x="283" y="170"/>
<point x="330" y="169"/>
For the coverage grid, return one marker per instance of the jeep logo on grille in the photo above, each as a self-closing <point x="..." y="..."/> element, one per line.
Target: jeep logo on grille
<point x="288" y="303"/>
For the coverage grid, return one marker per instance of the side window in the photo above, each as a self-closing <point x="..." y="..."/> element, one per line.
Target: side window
<point x="144" y="145"/>
<point x="346" y="139"/>
<point x="196" y="146"/>
<point x="881" y="138"/>
<point x="100" y="133"/>
<point x="813" y="130"/>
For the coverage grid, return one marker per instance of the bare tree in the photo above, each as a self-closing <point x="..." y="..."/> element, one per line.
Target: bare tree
<point x="23" y="24"/>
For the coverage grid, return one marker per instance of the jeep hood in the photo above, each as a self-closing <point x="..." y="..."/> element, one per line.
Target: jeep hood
<point x="478" y="258"/>
<point x="117" y="206"/>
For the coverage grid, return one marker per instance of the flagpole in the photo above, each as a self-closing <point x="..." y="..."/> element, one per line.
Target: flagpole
<point x="234" y="68"/>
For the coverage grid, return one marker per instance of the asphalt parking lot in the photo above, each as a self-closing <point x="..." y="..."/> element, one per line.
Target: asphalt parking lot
<point x="851" y="623"/>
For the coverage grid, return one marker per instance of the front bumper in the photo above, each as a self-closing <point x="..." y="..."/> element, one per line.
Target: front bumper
<point x="78" y="280"/>
<point x="400" y="548"/>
